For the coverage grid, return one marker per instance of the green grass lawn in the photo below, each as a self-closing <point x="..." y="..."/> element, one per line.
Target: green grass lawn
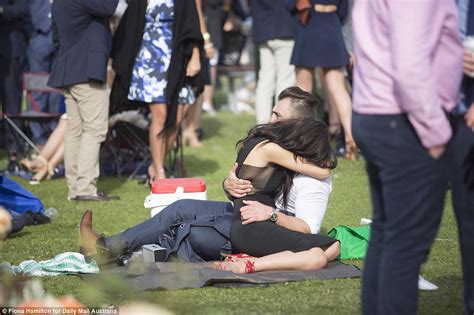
<point x="349" y="202"/>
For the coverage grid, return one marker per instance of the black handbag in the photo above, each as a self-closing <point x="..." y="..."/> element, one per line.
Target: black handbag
<point x="233" y="45"/>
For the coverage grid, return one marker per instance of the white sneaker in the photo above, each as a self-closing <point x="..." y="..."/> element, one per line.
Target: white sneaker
<point x="209" y="109"/>
<point x="425" y="285"/>
<point x="365" y="221"/>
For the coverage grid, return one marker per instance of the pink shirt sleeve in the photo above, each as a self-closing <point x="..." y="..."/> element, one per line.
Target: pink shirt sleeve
<point x="418" y="30"/>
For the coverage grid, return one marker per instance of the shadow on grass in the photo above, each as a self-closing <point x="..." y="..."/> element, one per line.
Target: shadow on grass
<point x="110" y="184"/>
<point x="196" y="166"/>
<point x="448" y="299"/>
<point x="21" y="234"/>
<point x="211" y="126"/>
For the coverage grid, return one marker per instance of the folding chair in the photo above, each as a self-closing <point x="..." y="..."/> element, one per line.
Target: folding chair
<point x="127" y="152"/>
<point x="36" y="82"/>
<point x="126" y="149"/>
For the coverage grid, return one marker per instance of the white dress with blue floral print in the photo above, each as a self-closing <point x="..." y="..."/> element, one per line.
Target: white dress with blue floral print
<point x="149" y="72"/>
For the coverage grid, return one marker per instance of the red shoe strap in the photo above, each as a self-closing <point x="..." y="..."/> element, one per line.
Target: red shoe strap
<point x="249" y="266"/>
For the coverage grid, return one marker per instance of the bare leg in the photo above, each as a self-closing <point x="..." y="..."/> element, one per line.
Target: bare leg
<point x="58" y="156"/>
<point x="172" y="133"/>
<point x="209" y="92"/>
<point x="192" y="122"/>
<point x="157" y="143"/>
<point x="304" y="78"/>
<point x="55" y="140"/>
<point x="312" y="259"/>
<point x="335" y="84"/>
<point x="333" y="251"/>
<point x="334" y="123"/>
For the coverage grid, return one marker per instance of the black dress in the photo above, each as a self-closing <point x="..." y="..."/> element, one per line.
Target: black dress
<point x="265" y="238"/>
<point x="320" y="43"/>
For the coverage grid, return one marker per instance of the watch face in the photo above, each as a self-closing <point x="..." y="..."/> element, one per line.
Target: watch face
<point x="273" y="217"/>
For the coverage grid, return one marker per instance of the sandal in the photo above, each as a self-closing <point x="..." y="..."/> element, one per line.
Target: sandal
<point x="236" y="257"/>
<point x="46" y="171"/>
<point x="26" y="163"/>
<point x="249" y="266"/>
<point x="351" y="151"/>
<point x="190" y="138"/>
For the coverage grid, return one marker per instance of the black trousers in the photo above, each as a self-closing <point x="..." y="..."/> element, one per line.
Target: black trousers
<point x="408" y="189"/>
<point x="10" y="96"/>
<point x="463" y="203"/>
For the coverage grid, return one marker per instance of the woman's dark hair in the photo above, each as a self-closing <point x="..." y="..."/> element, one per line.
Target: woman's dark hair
<point x="307" y="138"/>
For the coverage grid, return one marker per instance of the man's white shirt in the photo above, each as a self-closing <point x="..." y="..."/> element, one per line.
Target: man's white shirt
<point x="307" y="200"/>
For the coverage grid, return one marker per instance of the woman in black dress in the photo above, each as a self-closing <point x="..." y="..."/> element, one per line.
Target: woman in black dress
<point x="269" y="157"/>
<point x="319" y="44"/>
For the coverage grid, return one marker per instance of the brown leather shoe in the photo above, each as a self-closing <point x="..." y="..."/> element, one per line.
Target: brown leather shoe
<point x="88" y="236"/>
<point x="99" y="197"/>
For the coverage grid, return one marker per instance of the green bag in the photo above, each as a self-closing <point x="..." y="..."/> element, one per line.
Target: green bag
<point x="354" y="240"/>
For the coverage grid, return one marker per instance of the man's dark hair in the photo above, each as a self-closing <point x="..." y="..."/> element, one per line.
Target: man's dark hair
<point x="304" y="104"/>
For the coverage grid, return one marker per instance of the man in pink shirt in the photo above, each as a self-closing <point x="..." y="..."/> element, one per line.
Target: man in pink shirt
<point x="407" y="79"/>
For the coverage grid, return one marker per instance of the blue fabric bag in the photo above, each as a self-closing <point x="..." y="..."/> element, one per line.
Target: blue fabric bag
<point x="15" y="198"/>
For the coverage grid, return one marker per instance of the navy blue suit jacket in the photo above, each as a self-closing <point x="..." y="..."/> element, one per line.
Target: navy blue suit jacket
<point x="82" y="39"/>
<point x="271" y="20"/>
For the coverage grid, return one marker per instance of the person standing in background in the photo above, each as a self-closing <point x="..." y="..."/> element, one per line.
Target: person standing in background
<point x="82" y="40"/>
<point x="319" y="44"/>
<point x="40" y="56"/>
<point x="157" y="56"/>
<point x="15" y="29"/>
<point x="462" y="146"/>
<point x="409" y="61"/>
<point x="273" y="31"/>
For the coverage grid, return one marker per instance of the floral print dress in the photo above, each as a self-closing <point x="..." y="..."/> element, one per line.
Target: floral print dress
<point x="149" y="71"/>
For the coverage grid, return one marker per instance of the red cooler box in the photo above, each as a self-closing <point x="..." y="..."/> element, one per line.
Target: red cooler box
<point x="166" y="191"/>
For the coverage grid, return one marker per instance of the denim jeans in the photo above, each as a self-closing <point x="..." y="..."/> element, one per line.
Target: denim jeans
<point x="149" y="231"/>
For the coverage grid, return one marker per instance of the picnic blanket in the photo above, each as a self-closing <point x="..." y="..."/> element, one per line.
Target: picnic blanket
<point x="142" y="276"/>
<point x="62" y="264"/>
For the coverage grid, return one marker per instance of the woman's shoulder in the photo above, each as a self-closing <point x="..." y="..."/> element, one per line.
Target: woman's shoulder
<point x="251" y="142"/>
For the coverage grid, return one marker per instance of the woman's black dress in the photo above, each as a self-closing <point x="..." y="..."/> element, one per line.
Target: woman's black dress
<point x="320" y="43"/>
<point x="265" y="238"/>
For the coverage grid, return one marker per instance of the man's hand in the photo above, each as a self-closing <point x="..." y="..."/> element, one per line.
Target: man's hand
<point x="468" y="65"/>
<point x="236" y="187"/>
<point x="469" y="117"/>
<point x="254" y="211"/>
<point x="436" y="152"/>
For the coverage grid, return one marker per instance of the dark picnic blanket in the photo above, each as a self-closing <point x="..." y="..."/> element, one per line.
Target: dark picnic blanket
<point x="141" y="276"/>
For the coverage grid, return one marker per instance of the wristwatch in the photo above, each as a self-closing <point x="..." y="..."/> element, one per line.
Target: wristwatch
<point x="274" y="216"/>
